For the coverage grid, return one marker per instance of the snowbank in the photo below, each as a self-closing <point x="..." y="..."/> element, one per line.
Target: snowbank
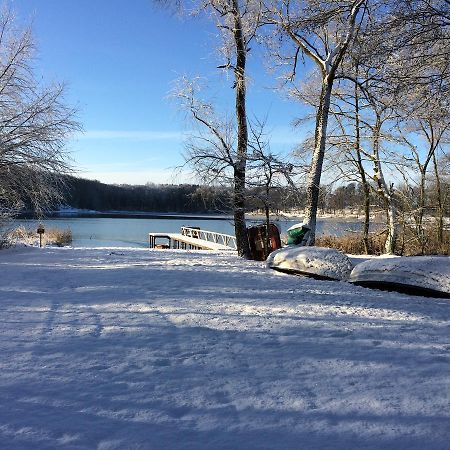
<point x="180" y="350"/>
<point x="418" y="274"/>
<point x="319" y="262"/>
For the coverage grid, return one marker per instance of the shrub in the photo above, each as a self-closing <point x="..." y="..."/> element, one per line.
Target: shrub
<point x="353" y="243"/>
<point x="52" y="236"/>
<point x="59" y="237"/>
<point x="407" y="243"/>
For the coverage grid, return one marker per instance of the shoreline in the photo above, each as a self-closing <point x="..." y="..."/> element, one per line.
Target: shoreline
<point x="86" y="214"/>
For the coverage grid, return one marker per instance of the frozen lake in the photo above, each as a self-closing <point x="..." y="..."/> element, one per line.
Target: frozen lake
<point x="133" y="232"/>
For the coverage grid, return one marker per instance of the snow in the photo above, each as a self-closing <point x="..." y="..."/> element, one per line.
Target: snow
<point x="315" y="261"/>
<point x="295" y="226"/>
<point x="137" y="349"/>
<point x="66" y="210"/>
<point x="424" y="272"/>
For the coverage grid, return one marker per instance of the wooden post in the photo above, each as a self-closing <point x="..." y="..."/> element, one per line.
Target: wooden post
<point x="40" y="231"/>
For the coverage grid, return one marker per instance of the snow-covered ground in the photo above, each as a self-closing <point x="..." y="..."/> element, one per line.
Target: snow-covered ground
<point x="137" y="349"/>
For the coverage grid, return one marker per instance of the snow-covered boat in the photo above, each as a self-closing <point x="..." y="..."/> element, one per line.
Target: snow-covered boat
<point x="317" y="262"/>
<point x="419" y="275"/>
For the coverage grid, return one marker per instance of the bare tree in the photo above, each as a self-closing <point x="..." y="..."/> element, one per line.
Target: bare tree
<point x="422" y="131"/>
<point x="232" y="13"/>
<point x="237" y="21"/>
<point x="34" y="125"/>
<point x="350" y="160"/>
<point x="213" y="153"/>
<point x="411" y="42"/>
<point x="402" y="71"/>
<point x="267" y="172"/>
<point x="323" y="32"/>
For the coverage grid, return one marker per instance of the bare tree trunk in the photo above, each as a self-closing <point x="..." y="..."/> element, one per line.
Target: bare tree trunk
<point x="267" y="245"/>
<point x="384" y="191"/>
<point x="366" y="224"/>
<point x="392" y="228"/>
<point x="440" y="209"/>
<point x="242" y="137"/>
<point x="420" y="213"/>
<point x="362" y="174"/>
<point x="315" y="172"/>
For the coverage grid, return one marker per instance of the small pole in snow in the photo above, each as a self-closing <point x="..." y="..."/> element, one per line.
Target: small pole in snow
<point x="40" y="231"/>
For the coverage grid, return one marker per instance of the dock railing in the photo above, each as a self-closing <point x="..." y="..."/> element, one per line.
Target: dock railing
<point x="211" y="236"/>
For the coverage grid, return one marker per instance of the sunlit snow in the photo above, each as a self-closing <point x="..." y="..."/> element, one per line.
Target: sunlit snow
<point x="131" y="348"/>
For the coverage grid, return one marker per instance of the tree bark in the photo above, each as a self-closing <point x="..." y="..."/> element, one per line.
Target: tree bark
<point x="242" y="136"/>
<point x="362" y="174"/>
<point x="315" y="172"/>
<point x="240" y="227"/>
<point x="267" y="243"/>
<point x="440" y="208"/>
<point x="392" y="229"/>
<point x="421" y="210"/>
<point x="384" y="191"/>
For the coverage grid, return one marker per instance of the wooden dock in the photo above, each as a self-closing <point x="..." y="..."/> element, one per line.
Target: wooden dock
<point x="193" y="238"/>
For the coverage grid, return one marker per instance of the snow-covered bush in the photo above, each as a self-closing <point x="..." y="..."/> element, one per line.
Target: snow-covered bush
<point x="24" y="236"/>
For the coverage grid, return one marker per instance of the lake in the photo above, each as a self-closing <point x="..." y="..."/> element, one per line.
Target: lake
<point x="133" y="232"/>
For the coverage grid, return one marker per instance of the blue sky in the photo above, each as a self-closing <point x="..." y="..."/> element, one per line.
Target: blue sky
<point x="119" y="60"/>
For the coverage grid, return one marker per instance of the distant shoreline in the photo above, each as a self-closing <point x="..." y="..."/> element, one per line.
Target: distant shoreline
<point x="70" y="213"/>
<point x="125" y="215"/>
<point x="85" y="214"/>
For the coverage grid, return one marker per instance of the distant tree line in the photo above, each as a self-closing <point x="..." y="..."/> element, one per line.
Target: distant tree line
<point x="86" y="194"/>
<point x="186" y="198"/>
<point x="191" y="198"/>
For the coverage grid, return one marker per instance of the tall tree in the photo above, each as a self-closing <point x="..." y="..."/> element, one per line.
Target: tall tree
<point x="233" y="12"/>
<point x="237" y="21"/>
<point x="323" y="32"/>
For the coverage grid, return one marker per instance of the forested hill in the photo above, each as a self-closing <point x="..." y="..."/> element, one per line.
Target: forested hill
<point x="88" y="194"/>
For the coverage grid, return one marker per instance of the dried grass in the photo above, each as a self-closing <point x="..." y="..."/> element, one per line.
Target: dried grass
<point x="407" y="243"/>
<point x="353" y="243"/>
<point x="52" y="236"/>
<point x="58" y="237"/>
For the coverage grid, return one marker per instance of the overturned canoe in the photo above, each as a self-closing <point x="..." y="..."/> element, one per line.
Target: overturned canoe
<point x="317" y="262"/>
<point x="417" y="275"/>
